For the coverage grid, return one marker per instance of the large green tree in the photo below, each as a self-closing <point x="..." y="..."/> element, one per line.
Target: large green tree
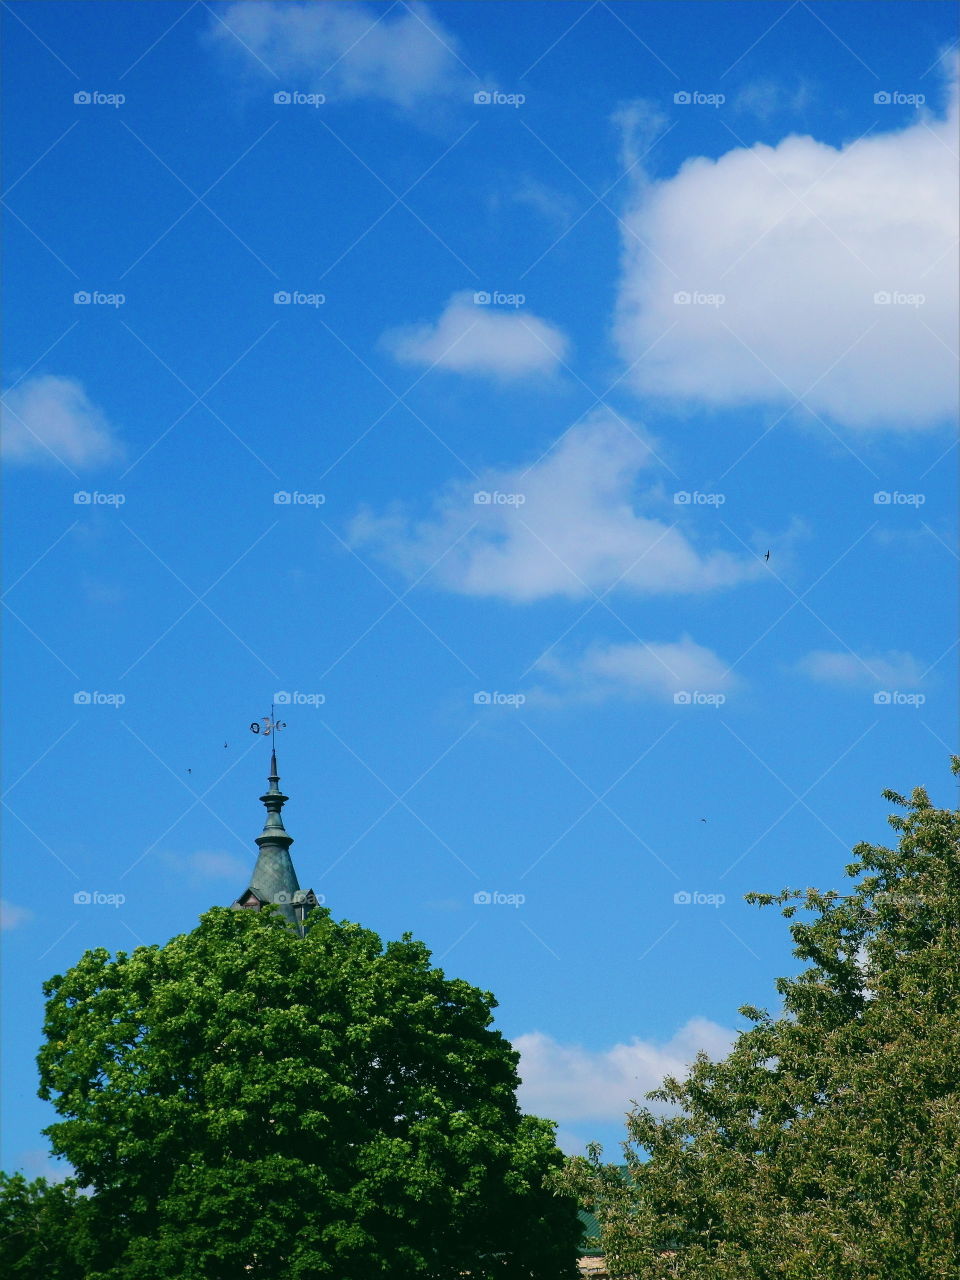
<point x="247" y="1102"/>
<point x="827" y="1145"/>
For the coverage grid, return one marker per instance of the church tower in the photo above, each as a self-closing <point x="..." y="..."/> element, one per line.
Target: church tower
<point x="274" y="881"/>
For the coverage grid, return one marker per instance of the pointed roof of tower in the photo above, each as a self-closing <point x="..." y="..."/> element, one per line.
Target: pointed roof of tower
<point x="274" y="880"/>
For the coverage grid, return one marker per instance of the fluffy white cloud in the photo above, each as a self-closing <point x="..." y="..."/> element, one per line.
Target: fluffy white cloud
<point x="798" y="239"/>
<point x="565" y="525"/>
<point x="11" y="916"/>
<point x="892" y="670"/>
<point x="471" y="337"/>
<point x="400" y="54"/>
<point x="647" y="669"/>
<point x="570" y="1083"/>
<point x="49" y="419"/>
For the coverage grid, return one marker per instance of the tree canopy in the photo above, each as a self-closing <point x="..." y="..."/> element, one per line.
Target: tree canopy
<point x="42" y="1229"/>
<point x="827" y="1144"/>
<point x="247" y="1102"/>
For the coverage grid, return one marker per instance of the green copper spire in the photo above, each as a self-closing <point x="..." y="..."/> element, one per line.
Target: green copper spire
<point x="274" y="880"/>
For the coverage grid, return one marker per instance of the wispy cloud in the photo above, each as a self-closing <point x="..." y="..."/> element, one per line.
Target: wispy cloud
<point x="643" y="669"/>
<point x="11" y="915"/>
<point x="38" y="1163"/>
<point x="892" y="669"/>
<point x="566" y="525"/>
<point x="472" y="336"/>
<point x="554" y="206"/>
<point x="639" y="122"/>
<point x="767" y="97"/>
<point x="205" y="865"/>
<point x="50" y="419"/>
<point x="400" y="54"/>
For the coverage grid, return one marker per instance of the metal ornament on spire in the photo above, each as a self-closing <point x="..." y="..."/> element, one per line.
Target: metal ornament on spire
<point x="268" y="724"/>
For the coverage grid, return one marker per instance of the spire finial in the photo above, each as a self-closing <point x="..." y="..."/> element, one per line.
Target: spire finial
<point x="270" y="726"/>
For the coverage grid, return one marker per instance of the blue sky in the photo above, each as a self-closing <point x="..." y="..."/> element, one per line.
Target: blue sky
<point x="546" y="323"/>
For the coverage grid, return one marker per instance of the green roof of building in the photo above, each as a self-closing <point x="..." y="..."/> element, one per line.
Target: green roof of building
<point x="590" y="1247"/>
<point x="274" y="880"/>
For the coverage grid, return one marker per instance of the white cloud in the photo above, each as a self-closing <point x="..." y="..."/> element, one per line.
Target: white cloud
<point x="640" y="123"/>
<point x="577" y="529"/>
<point x="892" y="670"/>
<point x="475" y="338"/>
<point x="798" y="238"/>
<point x="401" y="54"/>
<point x="11" y="916"/>
<point x="206" y="865"/>
<point x="50" y="418"/>
<point x="647" y="669"/>
<point x="766" y="97"/>
<point x="37" y="1163"/>
<point x="570" y="1143"/>
<point x="551" y="204"/>
<point x="569" y="1083"/>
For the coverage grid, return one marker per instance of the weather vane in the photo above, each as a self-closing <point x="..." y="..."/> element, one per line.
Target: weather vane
<point x="268" y="724"/>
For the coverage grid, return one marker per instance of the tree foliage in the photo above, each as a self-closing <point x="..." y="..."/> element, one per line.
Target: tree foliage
<point x="827" y="1144"/>
<point x="247" y="1102"/>
<point x="42" y="1229"/>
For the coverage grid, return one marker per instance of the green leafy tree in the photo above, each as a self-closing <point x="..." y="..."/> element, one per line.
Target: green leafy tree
<point x="42" y="1229"/>
<point x="247" y="1102"/>
<point x="827" y="1144"/>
